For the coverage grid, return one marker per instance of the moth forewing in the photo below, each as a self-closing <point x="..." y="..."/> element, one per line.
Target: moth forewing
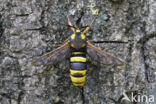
<point x="54" y="56"/>
<point x="102" y="56"/>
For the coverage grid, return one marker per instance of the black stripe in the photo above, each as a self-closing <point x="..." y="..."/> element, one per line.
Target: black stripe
<point x="78" y="66"/>
<point x="80" y="50"/>
<point x="78" y="82"/>
<point x="81" y="55"/>
<point x="77" y="75"/>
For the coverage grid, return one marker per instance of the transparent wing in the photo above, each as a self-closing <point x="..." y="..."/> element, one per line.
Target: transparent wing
<point x="101" y="56"/>
<point x="55" y="56"/>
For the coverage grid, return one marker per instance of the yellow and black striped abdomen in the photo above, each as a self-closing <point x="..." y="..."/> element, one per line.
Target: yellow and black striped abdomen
<point x="78" y="68"/>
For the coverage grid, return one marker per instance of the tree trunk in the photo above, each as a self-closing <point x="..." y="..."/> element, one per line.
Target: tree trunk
<point x="30" y="28"/>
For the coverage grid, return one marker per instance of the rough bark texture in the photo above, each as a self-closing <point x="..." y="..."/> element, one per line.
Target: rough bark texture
<point x="30" y="28"/>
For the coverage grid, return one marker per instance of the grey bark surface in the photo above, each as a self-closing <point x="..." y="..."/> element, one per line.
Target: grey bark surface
<point x="30" y="28"/>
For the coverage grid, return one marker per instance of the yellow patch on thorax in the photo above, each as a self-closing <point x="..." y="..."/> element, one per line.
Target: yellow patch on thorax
<point x="78" y="30"/>
<point x="72" y="45"/>
<point x="72" y="36"/>
<point x="83" y="44"/>
<point x="83" y="36"/>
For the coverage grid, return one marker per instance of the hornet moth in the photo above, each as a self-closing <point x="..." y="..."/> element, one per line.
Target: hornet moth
<point x="75" y="48"/>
